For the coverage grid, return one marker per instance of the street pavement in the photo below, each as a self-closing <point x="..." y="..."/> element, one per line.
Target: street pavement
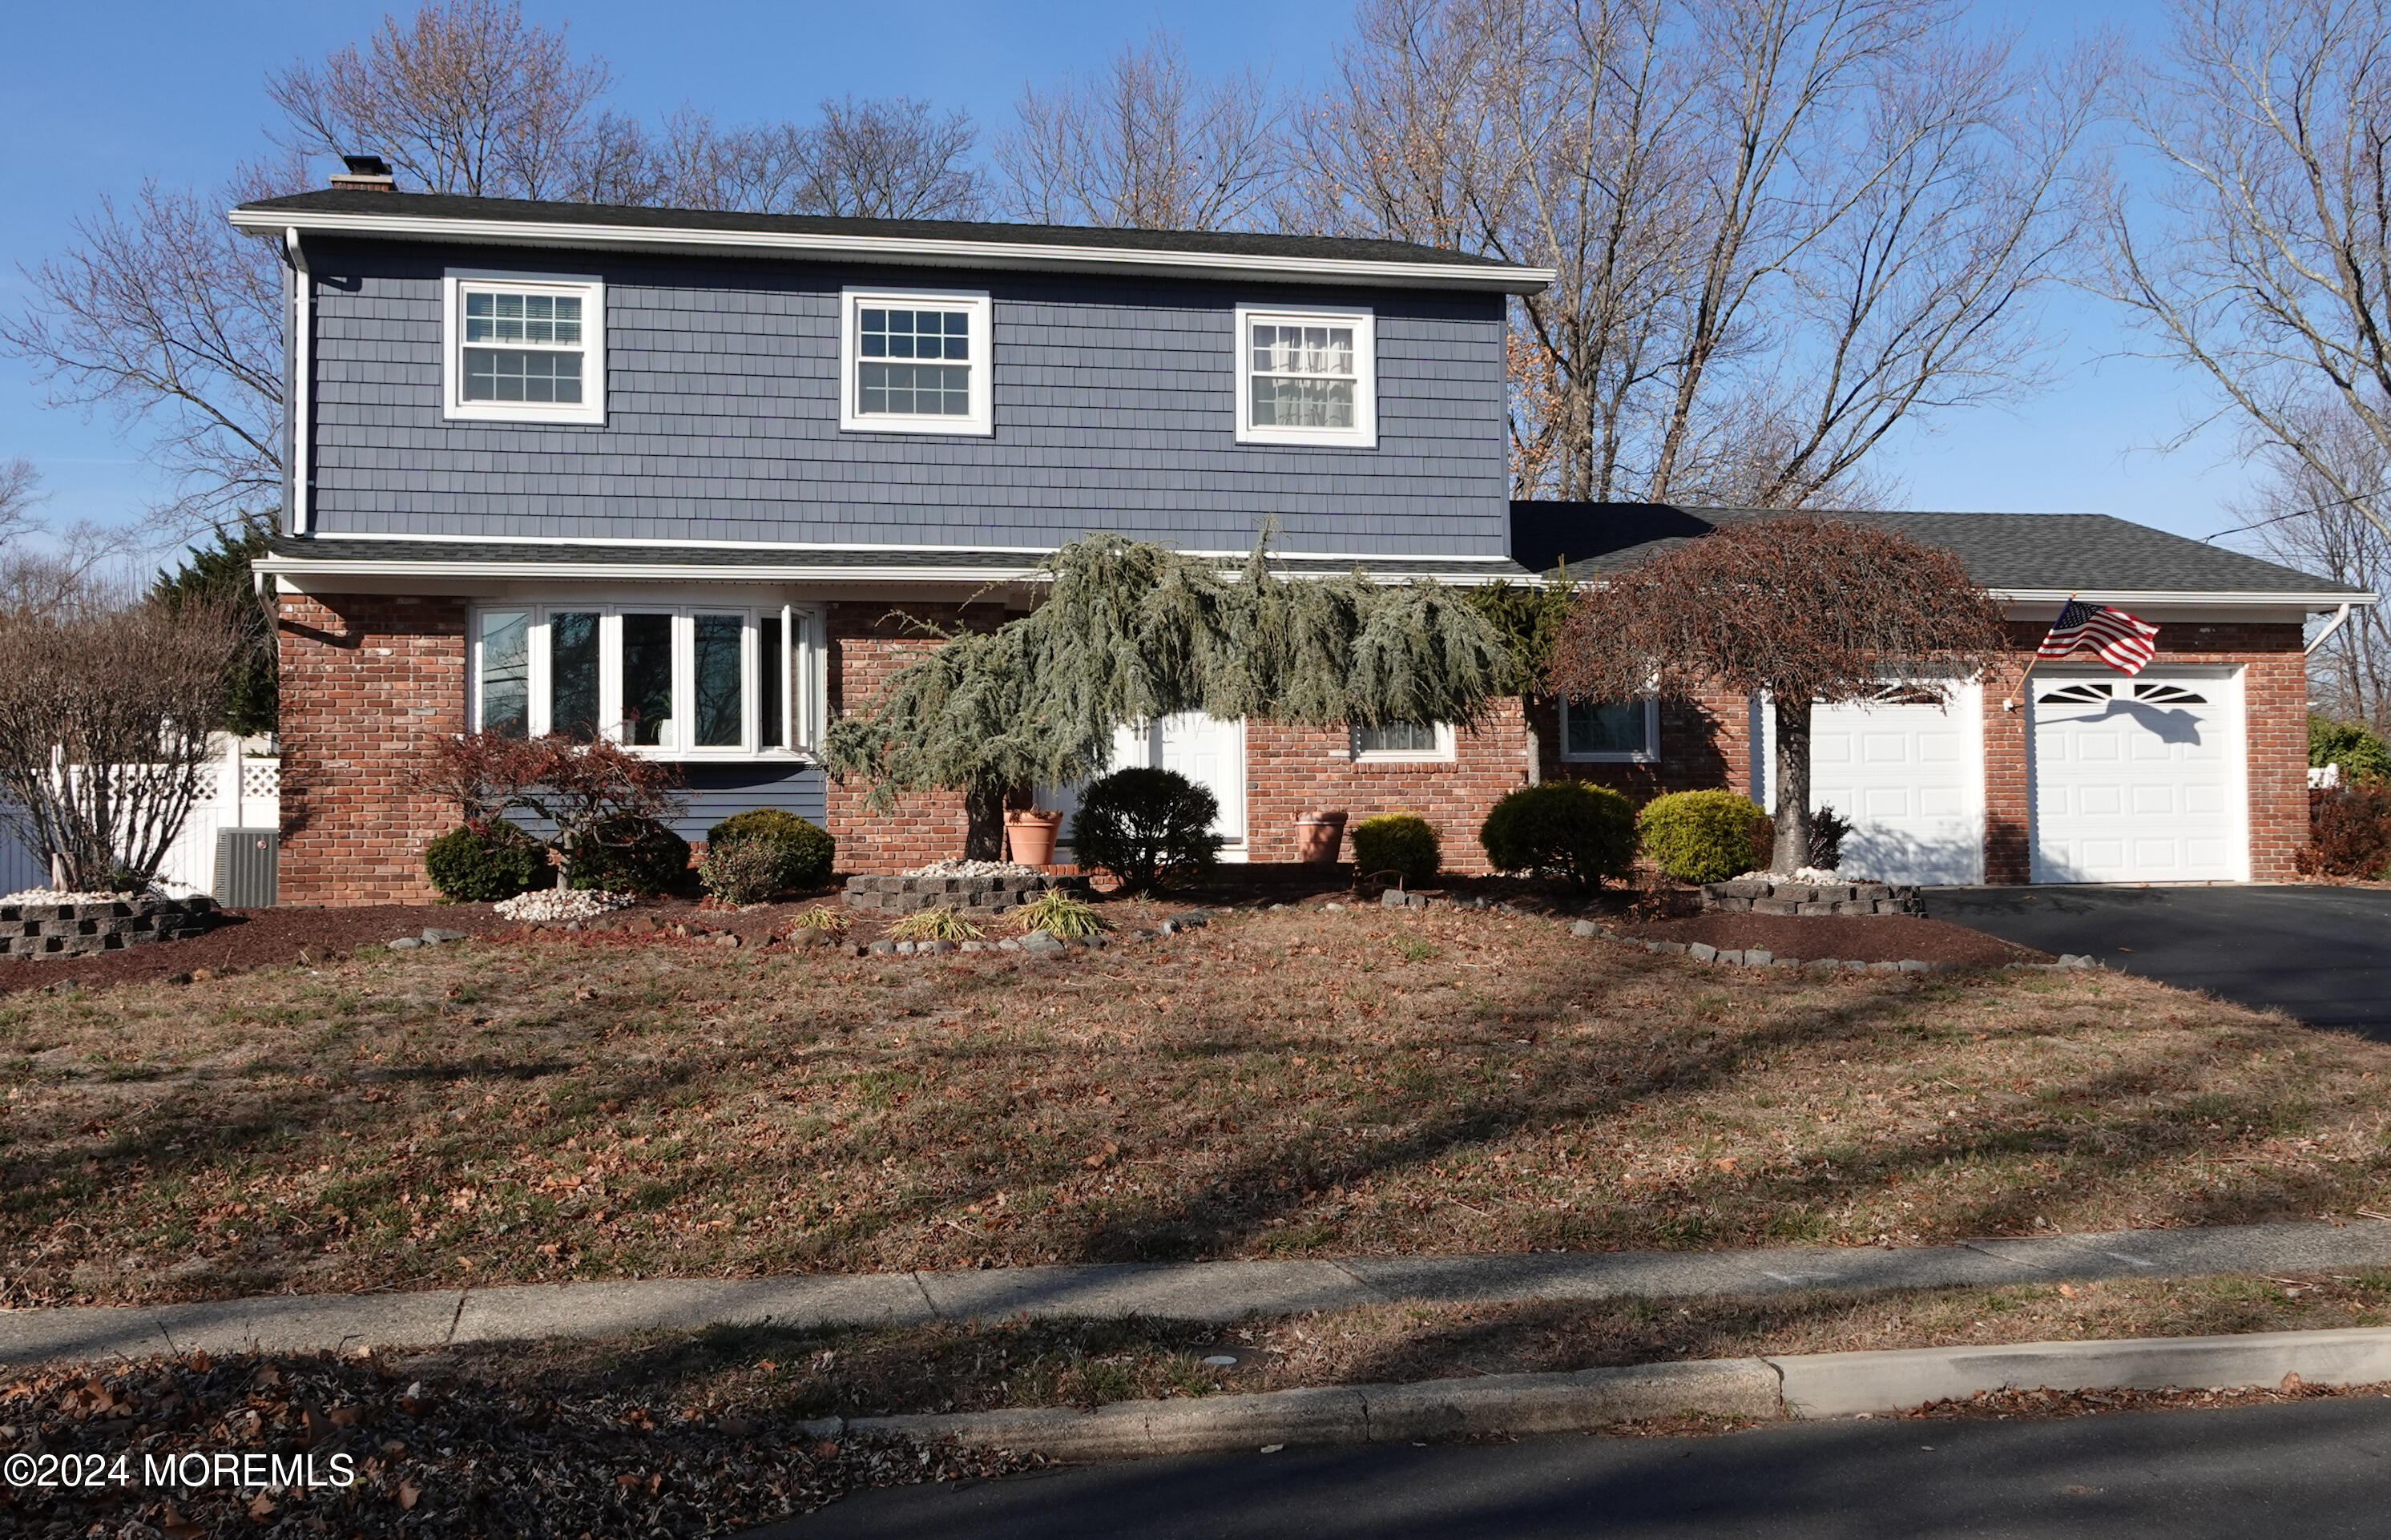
<point x="2309" y="1468"/>
<point x="2320" y="954"/>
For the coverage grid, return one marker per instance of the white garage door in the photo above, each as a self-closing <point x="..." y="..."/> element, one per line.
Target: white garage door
<point x="1906" y="771"/>
<point x="2137" y="779"/>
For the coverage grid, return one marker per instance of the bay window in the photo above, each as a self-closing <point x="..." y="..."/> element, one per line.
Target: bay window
<point x="683" y="681"/>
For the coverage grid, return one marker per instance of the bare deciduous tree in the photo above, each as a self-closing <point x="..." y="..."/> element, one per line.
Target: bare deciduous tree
<point x="21" y="490"/>
<point x="465" y="96"/>
<point x="1143" y="144"/>
<point x="165" y="315"/>
<point x="2259" y="253"/>
<point x="894" y="159"/>
<point x="2304" y="519"/>
<point x="1803" y="608"/>
<point x="1826" y="217"/>
<point x="105" y="716"/>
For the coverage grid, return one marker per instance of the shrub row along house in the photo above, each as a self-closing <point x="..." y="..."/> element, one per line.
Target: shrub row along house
<point x="678" y="477"/>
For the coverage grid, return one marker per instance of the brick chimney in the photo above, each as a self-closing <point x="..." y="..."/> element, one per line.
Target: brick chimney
<point x="366" y="174"/>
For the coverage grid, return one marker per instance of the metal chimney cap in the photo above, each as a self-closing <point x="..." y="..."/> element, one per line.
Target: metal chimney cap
<point x="366" y="166"/>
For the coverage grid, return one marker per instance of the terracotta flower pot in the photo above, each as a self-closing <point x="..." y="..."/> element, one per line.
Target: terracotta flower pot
<point x="1029" y="835"/>
<point x="1317" y="836"/>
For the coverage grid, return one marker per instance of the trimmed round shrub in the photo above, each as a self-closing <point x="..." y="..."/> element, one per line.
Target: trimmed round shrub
<point x="632" y="854"/>
<point x="807" y="849"/>
<point x="1700" y="836"/>
<point x="1562" y="829"/>
<point x="484" y="864"/>
<point x="1146" y="827"/>
<point x="1404" y="844"/>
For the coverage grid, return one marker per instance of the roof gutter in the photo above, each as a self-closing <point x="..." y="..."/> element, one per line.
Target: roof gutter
<point x="2339" y="618"/>
<point x="907" y="251"/>
<point x="2130" y="597"/>
<point x="303" y="300"/>
<point x="500" y="570"/>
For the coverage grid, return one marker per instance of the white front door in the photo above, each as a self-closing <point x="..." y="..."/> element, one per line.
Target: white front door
<point x="2137" y="779"/>
<point x="1907" y="772"/>
<point x="1208" y="751"/>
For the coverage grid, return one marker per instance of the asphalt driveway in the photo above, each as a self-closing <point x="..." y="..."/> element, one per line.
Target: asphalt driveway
<point x="2322" y="954"/>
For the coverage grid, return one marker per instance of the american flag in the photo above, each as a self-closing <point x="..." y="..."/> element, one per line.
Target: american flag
<point x="2122" y="641"/>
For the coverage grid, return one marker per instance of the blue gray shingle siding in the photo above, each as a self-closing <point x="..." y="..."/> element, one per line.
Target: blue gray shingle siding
<point x="2002" y="551"/>
<point x="1114" y="408"/>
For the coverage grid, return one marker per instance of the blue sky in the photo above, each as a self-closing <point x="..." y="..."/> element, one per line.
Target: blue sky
<point x="103" y="95"/>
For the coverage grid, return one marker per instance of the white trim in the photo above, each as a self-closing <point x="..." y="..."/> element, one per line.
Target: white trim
<point x="302" y="430"/>
<point x="2339" y="618"/>
<point x="2129" y="597"/>
<point x="1441" y="755"/>
<point x="1649" y="755"/>
<point x="1363" y="434"/>
<point x="908" y="250"/>
<point x="639" y="543"/>
<point x="591" y="291"/>
<point x="977" y="422"/>
<point x="640" y="571"/>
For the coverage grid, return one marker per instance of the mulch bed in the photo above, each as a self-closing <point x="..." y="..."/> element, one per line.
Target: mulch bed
<point x="1851" y="938"/>
<point x="429" y="1454"/>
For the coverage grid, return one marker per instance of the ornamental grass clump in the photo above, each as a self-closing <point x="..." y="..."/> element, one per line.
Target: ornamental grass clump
<point x="1060" y="915"/>
<point x="1698" y="836"/>
<point x="941" y="923"/>
<point x="832" y="921"/>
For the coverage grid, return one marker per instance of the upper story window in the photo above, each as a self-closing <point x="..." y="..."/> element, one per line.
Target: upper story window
<point x="525" y="349"/>
<point x="1613" y="731"/>
<point x="913" y="362"/>
<point x="1307" y="377"/>
<point x="1397" y="741"/>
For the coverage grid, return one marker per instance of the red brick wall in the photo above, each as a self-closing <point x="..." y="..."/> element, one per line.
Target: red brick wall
<point x="868" y="642"/>
<point x="366" y="679"/>
<point x="1292" y="771"/>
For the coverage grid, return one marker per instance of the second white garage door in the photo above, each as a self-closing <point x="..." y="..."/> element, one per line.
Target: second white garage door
<point x="2137" y="779"/>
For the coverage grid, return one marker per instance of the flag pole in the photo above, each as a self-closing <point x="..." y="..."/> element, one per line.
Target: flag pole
<point x="2011" y="703"/>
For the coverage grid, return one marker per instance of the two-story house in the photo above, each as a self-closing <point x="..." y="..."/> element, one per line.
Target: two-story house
<point x="675" y="477"/>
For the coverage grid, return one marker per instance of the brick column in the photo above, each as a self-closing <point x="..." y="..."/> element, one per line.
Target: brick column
<point x="366" y="679"/>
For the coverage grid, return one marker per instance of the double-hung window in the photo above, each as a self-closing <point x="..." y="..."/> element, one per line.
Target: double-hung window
<point x="913" y="361"/>
<point x="1611" y="732"/>
<point x="691" y="681"/>
<point x="528" y="349"/>
<point x="1307" y="377"/>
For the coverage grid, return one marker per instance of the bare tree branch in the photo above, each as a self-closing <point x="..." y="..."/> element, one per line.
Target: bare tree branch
<point x="1145" y="144"/>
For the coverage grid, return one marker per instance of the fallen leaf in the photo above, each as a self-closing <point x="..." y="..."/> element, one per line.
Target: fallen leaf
<point x="408" y="1493"/>
<point x="2291" y="1382"/>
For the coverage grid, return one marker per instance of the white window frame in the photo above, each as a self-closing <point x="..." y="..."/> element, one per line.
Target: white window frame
<point x="804" y="671"/>
<point x="1363" y="434"/>
<point x="1649" y="754"/>
<point x="591" y="291"/>
<point x="980" y="422"/>
<point x="1442" y="754"/>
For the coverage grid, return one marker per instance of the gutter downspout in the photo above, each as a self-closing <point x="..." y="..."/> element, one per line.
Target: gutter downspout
<point x="2339" y="618"/>
<point x="303" y="297"/>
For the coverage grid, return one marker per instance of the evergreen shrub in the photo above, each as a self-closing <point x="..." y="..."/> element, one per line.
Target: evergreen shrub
<point x="1700" y="836"/>
<point x="807" y="849"/>
<point x="484" y="862"/>
<point x="1146" y="827"/>
<point x="1404" y="844"/>
<point x="2364" y="758"/>
<point x="1570" y="829"/>
<point x="631" y="855"/>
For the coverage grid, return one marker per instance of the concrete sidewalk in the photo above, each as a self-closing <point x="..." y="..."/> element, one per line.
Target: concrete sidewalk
<point x="1213" y="1291"/>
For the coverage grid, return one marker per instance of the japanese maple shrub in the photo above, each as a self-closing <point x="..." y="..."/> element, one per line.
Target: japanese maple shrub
<point x="601" y="806"/>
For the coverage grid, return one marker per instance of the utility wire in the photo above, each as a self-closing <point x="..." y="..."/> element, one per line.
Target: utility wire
<point x="2296" y="512"/>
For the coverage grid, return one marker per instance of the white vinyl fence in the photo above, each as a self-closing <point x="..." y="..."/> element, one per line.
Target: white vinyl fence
<point x="245" y="793"/>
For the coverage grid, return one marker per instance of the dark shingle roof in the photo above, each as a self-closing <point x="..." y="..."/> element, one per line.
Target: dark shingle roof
<point x="2010" y="552"/>
<point x="766" y="561"/>
<point x="421" y="205"/>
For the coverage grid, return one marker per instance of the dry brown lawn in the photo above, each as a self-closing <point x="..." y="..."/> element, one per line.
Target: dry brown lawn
<point x="1285" y="1083"/>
